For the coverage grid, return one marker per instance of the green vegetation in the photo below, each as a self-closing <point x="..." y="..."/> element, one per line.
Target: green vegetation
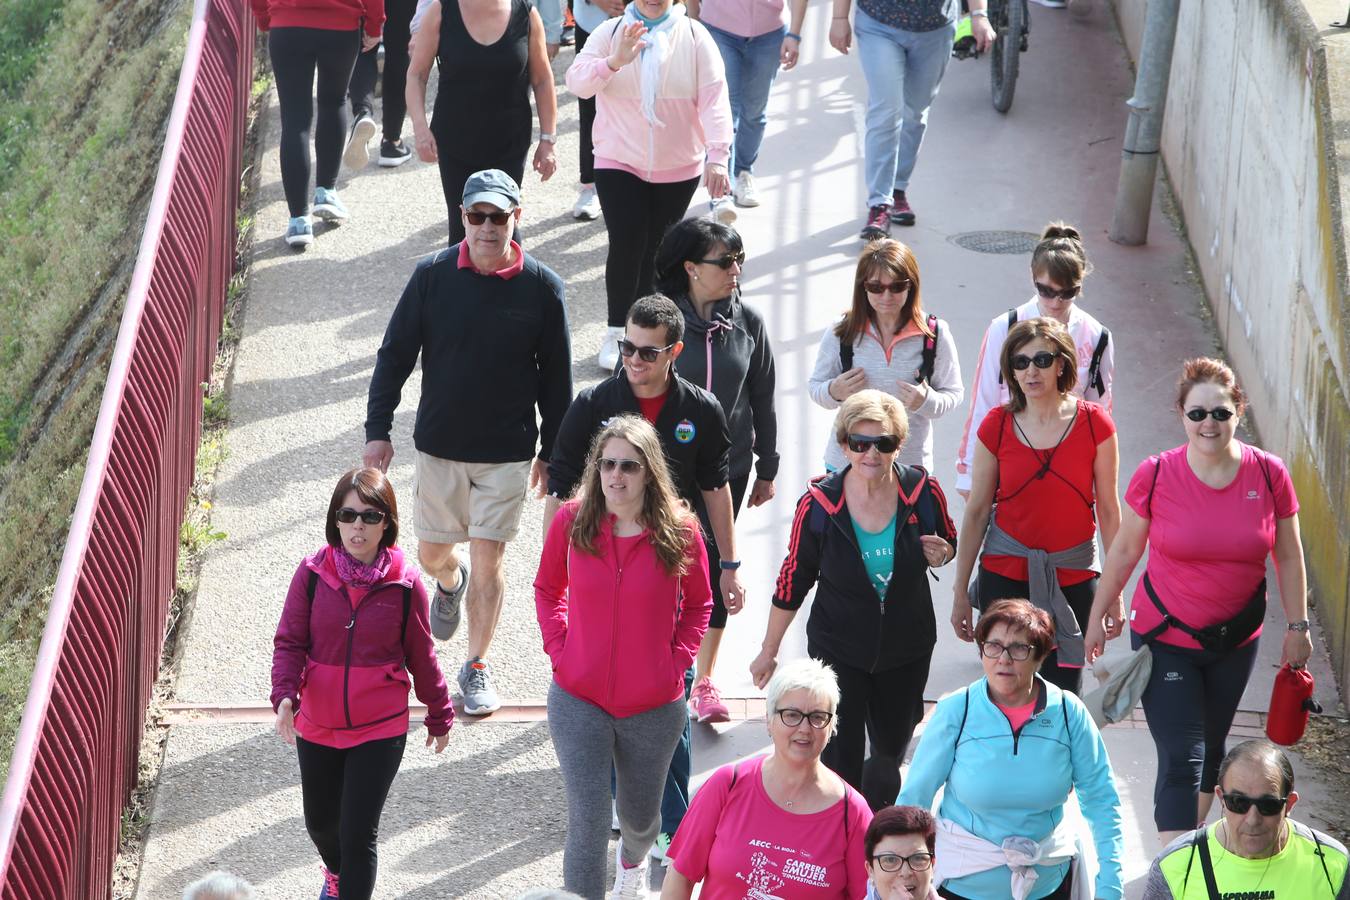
<point x="85" y="91"/>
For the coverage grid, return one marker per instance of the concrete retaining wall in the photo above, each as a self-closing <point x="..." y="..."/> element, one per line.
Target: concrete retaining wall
<point x="1256" y="145"/>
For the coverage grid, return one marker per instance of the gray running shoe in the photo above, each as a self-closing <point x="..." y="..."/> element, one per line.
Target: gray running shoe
<point x="445" y="607"/>
<point x="475" y="683"/>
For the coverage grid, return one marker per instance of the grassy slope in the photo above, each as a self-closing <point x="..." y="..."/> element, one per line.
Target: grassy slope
<point x="90" y="103"/>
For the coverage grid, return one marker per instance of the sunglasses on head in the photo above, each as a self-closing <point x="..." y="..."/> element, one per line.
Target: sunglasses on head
<point x="1220" y="414"/>
<point x="646" y="354"/>
<point x="478" y="218"/>
<point x="1241" y="803"/>
<point x="877" y="287"/>
<point x="347" y="516"/>
<point x="891" y="862"/>
<point x="1050" y="293"/>
<point x="726" y="261"/>
<point x="885" y="443"/>
<point x="626" y="466"/>
<point x="1042" y="360"/>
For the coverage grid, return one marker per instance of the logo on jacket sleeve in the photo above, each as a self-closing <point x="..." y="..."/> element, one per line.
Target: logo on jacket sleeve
<point x="685" y="431"/>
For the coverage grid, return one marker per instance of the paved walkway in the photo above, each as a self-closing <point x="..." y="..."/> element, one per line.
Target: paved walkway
<point x="487" y="818"/>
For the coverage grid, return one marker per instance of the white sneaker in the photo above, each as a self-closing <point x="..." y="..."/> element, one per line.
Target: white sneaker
<point x="588" y="203"/>
<point x="744" y="192"/>
<point x="629" y="884"/>
<point x="614" y="815"/>
<point x="608" y="357"/>
<point x="722" y="210"/>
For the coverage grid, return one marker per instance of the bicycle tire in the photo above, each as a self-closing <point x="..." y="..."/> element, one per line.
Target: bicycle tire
<point x="1008" y="23"/>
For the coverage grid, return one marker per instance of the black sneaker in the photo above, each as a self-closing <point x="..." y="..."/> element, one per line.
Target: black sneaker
<point x="393" y="153"/>
<point x="357" y="152"/>
<point x="901" y="214"/>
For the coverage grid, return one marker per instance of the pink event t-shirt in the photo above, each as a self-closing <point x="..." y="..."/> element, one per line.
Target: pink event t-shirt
<point x="1207" y="546"/>
<point x="740" y="843"/>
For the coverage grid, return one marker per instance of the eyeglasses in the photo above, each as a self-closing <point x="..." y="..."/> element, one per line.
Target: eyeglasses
<point x="1016" y="652"/>
<point x="818" y="718"/>
<point x="626" y="466"/>
<point x="1050" y="293"/>
<point x="891" y="862"/>
<point x="885" y="443"/>
<point x="1042" y="360"/>
<point x="877" y="287"/>
<point x="347" y="516"/>
<point x="726" y="261"/>
<point x="478" y="218"/>
<point x="646" y="354"/>
<point x="1220" y="414"/>
<point x="1241" y="803"/>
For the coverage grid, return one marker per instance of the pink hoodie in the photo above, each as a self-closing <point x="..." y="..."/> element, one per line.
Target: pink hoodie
<point x="619" y="631"/>
<point x="693" y="106"/>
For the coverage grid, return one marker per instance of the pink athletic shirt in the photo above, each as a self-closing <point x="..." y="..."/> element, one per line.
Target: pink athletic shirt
<point x="1207" y="547"/>
<point x="740" y="843"/>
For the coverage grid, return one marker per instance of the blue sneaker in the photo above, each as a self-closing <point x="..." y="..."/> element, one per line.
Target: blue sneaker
<point x="300" y="233"/>
<point x="328" y="207"/>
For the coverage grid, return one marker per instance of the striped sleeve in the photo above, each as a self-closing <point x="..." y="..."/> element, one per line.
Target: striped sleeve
<point x="801" y="566"/>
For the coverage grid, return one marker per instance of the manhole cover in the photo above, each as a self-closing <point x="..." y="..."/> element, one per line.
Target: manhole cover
<point x="996" y="241"/>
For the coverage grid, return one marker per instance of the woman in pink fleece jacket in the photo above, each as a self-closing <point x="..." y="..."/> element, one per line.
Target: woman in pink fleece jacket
<point x="623" y="601"/>
<point x="662" y="124"/>
<point x="353" y="629"/>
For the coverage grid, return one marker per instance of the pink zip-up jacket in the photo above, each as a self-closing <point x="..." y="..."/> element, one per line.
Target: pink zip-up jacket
<point x="345" y="659"/>
<point x="693" y="105"/>
<point x="619" y="631"/>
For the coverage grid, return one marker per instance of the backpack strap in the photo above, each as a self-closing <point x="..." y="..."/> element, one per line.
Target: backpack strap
<point x="1012" y="320"/>
<point x="1321" y="854"/>
<point x="929" y="359"/>
<point x="1207" y="864"/>
<point x="312" y="586"/>
<point x="1094" y="372"/>
<point x="845" y="354"/>
<point x="1148" y="504"/>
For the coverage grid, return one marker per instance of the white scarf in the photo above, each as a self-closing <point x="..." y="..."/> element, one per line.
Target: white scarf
<point x="653" y="57"/>
<point x="960" y="853"/>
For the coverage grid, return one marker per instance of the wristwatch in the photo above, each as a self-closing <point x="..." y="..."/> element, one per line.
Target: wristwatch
<point x="548" y="138"/>
<point x="1300" y="625"/>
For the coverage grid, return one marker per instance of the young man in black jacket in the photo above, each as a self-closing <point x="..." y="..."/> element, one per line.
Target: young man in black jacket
<point x="491" y="327"/>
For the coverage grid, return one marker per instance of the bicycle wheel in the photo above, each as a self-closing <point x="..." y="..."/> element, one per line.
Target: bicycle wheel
<point x="1008" y="18"/>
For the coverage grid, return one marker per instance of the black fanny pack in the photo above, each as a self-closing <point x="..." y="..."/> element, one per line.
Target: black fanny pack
<point x="1221" y="637"/>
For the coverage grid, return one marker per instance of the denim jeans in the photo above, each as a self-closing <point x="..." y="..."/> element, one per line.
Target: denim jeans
<point x="751" y="65"/>
<point x="903" y="70"/>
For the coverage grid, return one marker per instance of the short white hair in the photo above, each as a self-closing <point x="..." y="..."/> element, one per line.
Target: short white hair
<point x="219" y="886"/>
<point x="805" y="674"/>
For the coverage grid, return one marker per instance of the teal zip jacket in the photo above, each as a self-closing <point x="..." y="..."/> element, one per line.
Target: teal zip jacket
<point x="1000" y="784"/>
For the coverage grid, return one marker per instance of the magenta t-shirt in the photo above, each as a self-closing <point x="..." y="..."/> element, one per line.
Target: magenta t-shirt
<point x="740" y="843"/>
<point x="1207" y="546"/>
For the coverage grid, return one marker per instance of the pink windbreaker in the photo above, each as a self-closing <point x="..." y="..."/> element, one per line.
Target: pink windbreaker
<point x="328" y="15"/>
<point x="620" y="632"/>
<point x="693" y="106"/>
<point x="346" y="666"/>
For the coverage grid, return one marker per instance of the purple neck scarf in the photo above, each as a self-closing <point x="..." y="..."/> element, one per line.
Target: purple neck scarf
<point x="356" y="573"/>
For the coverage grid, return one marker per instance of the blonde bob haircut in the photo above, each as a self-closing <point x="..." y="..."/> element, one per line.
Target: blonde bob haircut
<point x="805" y="674"/>
<point x="669" y="523"/>
<point x="1024" y="333"/>
<point x="871" y="406"/>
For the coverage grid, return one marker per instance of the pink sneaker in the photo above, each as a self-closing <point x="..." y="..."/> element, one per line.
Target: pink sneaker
<point x="706" y="704"/>
<point x="330" y="885"/>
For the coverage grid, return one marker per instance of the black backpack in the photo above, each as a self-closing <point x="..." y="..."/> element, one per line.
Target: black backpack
<point x="1094" y="373"/>
<point x="926" y="364"/>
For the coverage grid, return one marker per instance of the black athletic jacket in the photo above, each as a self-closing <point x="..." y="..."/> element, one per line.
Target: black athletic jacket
<point x="847" y="622"/>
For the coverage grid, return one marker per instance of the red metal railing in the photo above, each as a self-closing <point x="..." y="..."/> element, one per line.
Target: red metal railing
<point x="75" y="762"/>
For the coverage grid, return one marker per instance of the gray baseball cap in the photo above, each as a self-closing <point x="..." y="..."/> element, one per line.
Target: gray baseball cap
<point x="492" y="186"/>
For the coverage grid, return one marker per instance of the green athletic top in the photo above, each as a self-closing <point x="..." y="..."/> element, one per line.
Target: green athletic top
<point x="1295" y="873"/>
<point x="878" y="553"/>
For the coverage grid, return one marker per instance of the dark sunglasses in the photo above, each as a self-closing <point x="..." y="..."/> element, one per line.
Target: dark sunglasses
<point x="726" y="261"/>
<point x="646" y="354"/>
<point x="1042" y="360"/>
<point x="1050" y="293"/>
<point x="1220" y="414"/>
<point x="1241" y="803"/>
<point x="347" y="516"/>
<point x="876" y="287"/>
<point x="891" y="862"/>
<point x="478" y="218"/>
<point x="626" y="466"/>
<point x="818" y="718"/>
<point x="885" y="443"/>
<point x="1016" y="652"/>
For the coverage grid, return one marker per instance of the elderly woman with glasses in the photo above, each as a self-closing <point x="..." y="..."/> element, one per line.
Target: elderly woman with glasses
<point x="865" y="537"/>
<point x="899" y="845"/>
<point x="1044" y="482"/>
<point x="1007" y="751"/>
<point x="888" y="342"/>
<point x="781" y="825"/>
<point x="353" y="629"/>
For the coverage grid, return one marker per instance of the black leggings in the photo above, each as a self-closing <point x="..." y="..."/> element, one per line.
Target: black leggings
<point x="344" y="793"/>
<point x="1190" y="701"/>
<point x="361" y="93"/>
<point x="719" y="612"/>
<point x="637" y="214"/>
<point x="454" y="173"/>
<point x="995" y="587"/>
<point x="586" y="107"/>
<point x="877" y="708"/>
<point x="296" y="54"/>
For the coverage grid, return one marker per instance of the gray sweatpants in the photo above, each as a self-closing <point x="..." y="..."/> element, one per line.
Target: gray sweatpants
<point x="589" y="741"/>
